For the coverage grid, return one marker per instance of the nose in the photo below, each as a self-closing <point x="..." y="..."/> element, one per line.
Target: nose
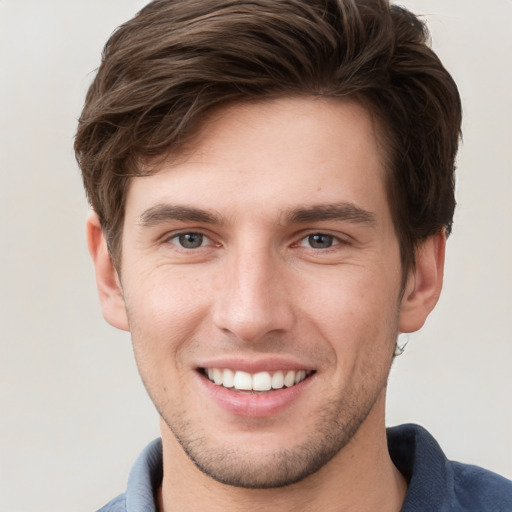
<point x="253" y="300"/>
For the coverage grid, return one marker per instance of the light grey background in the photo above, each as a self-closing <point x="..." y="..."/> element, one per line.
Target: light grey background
<point x="73" y="414"/>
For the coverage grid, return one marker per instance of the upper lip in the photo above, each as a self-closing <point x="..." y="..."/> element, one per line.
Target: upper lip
<point x="255" y="365"/>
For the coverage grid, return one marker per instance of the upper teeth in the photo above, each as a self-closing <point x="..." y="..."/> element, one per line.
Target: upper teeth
<point x="261" y="381"/>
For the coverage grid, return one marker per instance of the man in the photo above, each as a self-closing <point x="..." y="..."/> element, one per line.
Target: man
<point x="272" y="186"/>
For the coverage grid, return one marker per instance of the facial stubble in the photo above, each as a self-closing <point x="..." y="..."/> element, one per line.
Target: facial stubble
<point x="336" y="425"/>
<point x="338" y="421"/>
<point x="334" y="429"/>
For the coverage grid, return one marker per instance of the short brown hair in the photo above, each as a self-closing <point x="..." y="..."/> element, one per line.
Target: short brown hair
<point x="165" y="69"/>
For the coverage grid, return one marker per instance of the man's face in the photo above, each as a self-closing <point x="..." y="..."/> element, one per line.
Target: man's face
<point x="265" y="255"/>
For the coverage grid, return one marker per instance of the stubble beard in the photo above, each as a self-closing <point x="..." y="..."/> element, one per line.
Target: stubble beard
<point x="336" y="425"/>
<point x="338" y="421"/>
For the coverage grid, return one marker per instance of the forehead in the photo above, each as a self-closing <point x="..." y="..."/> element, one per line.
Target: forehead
<point x="270" y="156"/>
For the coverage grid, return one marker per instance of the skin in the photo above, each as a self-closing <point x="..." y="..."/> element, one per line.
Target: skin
<point x="259" y="289"/>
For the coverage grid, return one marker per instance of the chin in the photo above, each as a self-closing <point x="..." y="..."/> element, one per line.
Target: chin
<point x="263" y="460"/>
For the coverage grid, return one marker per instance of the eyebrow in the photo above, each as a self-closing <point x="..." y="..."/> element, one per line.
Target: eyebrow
<point x="337" y="211"/>
<point x="166" y="212"/>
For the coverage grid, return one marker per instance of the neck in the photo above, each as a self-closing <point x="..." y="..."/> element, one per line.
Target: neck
<point x="360" y="477"/>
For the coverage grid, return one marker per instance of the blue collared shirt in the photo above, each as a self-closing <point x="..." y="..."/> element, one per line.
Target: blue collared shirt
<point x="435" y="483"/>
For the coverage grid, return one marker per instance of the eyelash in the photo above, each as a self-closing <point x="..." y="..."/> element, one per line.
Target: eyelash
<point x="178" y="239"/>
<point x="308" y="239"/>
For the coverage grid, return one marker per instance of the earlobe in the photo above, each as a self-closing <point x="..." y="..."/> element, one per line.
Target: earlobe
<point x="107" y="280"/>
<point x="424" y="284"/>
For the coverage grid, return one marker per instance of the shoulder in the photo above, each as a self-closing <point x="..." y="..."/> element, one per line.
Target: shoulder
<point x="118" y="504"/>
<point x="476" y="488"/>
<point x="436" y="483"/>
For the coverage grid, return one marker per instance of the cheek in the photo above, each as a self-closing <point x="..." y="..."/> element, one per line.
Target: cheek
<point x="347" y="298"/>
<point x="164" y="311"/>
<point x="357" y="314"/>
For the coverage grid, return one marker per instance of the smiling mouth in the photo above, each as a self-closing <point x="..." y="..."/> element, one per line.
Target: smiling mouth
<point x="262" y="381"/>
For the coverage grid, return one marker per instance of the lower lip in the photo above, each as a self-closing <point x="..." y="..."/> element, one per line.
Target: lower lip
<point x="257" y="405"/>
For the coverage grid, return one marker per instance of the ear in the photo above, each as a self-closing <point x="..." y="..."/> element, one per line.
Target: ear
<point x="424" y="284"/>
<point x="107" y="279"/>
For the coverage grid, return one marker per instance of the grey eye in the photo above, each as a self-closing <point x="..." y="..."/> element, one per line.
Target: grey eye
<point x="191" y="240"/>
<point x="320" y="241"/>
